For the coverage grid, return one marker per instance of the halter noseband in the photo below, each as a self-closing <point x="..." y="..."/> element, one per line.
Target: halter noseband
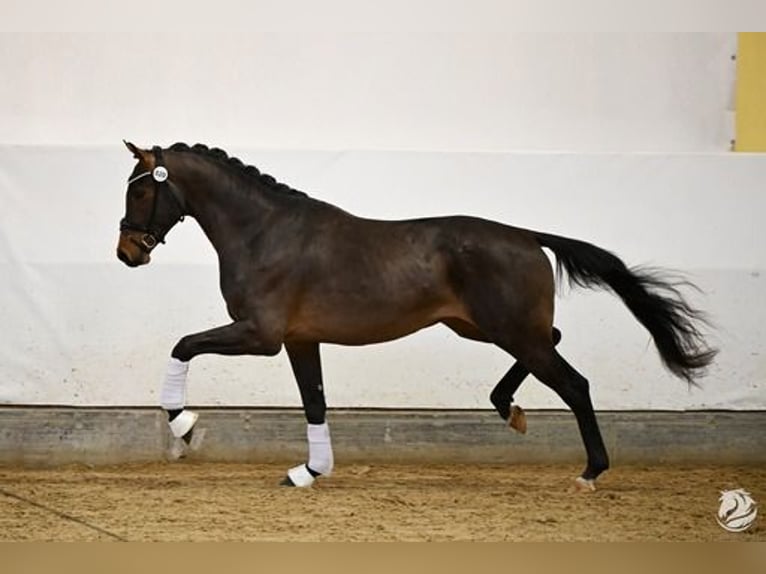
<point x="151" y="235"/>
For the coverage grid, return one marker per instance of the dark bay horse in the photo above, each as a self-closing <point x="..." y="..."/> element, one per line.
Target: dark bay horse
<point x="297" y="272"/>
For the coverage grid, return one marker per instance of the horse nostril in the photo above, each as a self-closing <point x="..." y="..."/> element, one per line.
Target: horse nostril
<point x="122" y="256"/>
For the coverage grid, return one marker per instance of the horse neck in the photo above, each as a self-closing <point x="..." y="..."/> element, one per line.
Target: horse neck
<point x="222" y="202"/>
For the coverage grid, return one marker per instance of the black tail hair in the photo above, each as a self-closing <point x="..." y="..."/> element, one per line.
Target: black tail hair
<point x="652" y="295"/>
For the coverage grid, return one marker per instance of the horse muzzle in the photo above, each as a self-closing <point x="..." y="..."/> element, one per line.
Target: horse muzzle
<point x="129" y="251"/>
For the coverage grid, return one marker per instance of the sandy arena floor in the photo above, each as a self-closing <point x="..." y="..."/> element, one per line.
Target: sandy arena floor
<point x="204" y="501"/>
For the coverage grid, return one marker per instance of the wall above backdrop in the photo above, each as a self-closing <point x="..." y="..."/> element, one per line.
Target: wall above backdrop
<point x="417" y="86"/>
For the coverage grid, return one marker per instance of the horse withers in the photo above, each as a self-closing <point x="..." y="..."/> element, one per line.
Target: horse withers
<point x="296" y="272"/>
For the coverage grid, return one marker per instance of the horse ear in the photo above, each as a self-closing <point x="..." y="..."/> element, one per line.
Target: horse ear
<point x="137" y="152"/>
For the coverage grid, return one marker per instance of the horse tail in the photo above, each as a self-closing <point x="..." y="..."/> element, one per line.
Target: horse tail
<point x="652" y="295"/>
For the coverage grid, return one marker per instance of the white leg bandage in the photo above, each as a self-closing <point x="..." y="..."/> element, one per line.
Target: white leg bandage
<point x="173" y="397"/>
<point x="320" y="448"/>
<point x="173" y="394"/>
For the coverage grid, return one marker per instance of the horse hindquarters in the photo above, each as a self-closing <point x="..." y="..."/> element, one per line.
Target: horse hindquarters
<point x="507" y="286"/>
<point x="503" y="281"/>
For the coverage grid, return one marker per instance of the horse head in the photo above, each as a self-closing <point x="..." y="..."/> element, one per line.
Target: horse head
<point x="153" y="205"/>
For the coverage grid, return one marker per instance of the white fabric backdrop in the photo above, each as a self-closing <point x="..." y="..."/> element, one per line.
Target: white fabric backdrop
<point x="81" y="328"/>
<point x="645" y="121"/>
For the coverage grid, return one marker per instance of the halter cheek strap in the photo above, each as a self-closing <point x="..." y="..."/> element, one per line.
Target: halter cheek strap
<point x="160" y="174"/>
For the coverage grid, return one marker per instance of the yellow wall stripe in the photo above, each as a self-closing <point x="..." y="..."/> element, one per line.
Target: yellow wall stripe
<point x="751" y="92"/>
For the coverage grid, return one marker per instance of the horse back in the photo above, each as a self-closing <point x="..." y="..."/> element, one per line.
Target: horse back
<point x="365" y="281"/>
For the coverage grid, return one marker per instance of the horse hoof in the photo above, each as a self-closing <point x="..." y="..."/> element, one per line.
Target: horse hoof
<point x="286" y="481"/>
<point x="518" y="420"/>
<point x="585" y="484"/>
<point x="177" y="450"/>
<point x="194" y="438"/>
<point x="188" y="436"/>
<point x="298" y="476"/>
<point x="190" y="442"/>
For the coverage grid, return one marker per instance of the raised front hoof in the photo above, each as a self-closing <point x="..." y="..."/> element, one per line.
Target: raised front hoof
<point x="518" y="420"/>
<point x="183" y="424"/>
<point x="585" y="485"/>
<point x="189" y="442"/>
<point x="187" y="438"/>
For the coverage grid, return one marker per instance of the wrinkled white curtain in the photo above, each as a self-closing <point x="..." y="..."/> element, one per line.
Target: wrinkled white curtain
<point x="80" y="328"/>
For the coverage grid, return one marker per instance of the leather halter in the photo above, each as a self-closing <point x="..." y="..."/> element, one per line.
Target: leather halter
<point x="152" y="235"/>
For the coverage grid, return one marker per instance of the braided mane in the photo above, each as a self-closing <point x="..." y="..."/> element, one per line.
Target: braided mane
<point x="248" y="170"/>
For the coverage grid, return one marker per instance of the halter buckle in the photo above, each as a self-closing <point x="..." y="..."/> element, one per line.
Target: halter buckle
<point x="149" y="241"/>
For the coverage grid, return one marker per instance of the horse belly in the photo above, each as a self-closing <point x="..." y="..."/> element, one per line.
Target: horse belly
<point x="382" y="282"/>
<point x="369" y="323"/>
<point x="355" y="331"/>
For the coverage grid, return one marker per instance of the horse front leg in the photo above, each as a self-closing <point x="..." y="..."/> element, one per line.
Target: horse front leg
<point x="307" y="368"/>
<point x="238" y="338"/>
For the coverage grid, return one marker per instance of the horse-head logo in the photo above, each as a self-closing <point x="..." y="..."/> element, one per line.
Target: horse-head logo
<point x="737" y="511"/>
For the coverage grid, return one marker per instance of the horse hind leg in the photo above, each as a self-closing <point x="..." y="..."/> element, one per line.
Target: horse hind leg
<point x="533" y="347"/>
<point x="502" y="395"/>
<point x="553" y="371"/>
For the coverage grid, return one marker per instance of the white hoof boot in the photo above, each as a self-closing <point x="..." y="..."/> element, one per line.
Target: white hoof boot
<point x="585" y="484"/>
<point x="183" y="423"/>
<point x="186" y="436"/>
<point x="299" y="476"/>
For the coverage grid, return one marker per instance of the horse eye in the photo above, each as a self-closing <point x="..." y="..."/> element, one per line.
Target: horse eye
<point x="138" y="193"/>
